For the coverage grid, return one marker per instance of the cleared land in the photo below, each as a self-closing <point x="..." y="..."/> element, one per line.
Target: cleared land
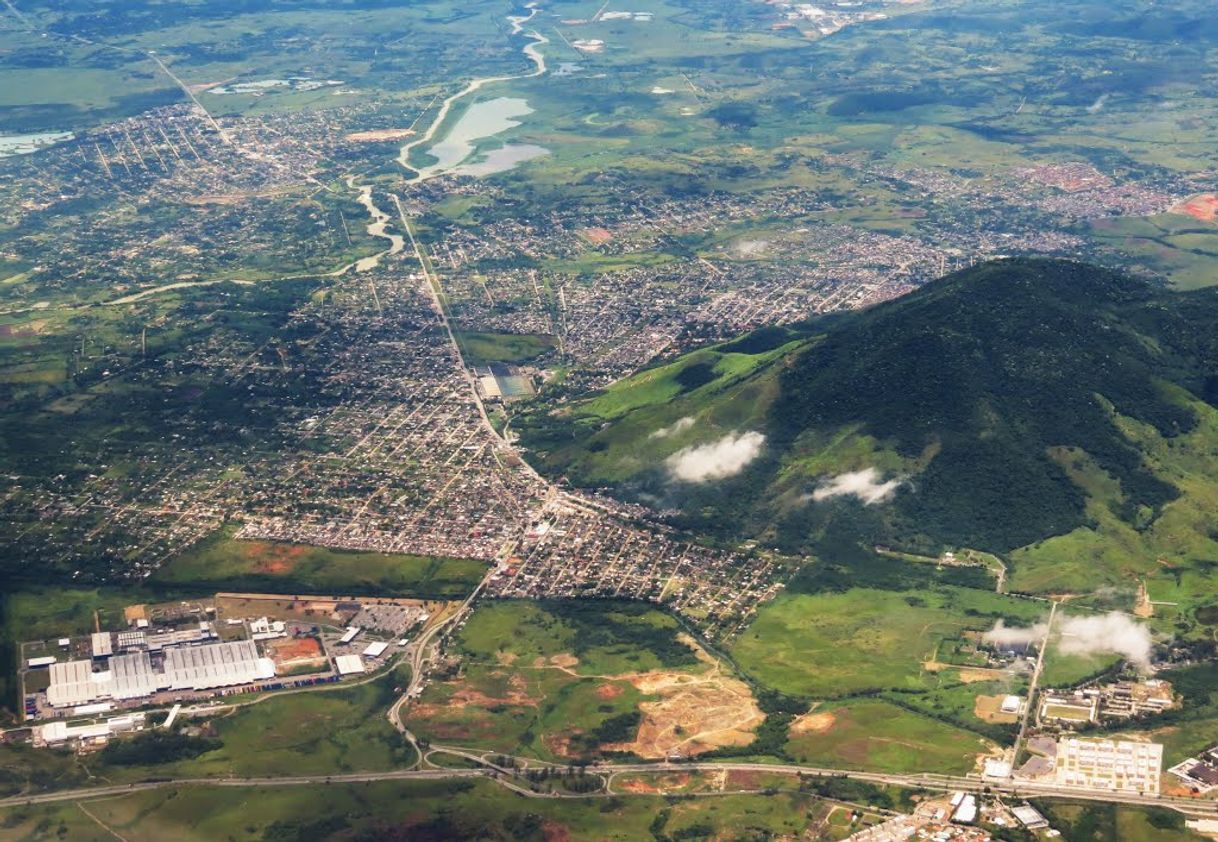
<point x="566" y="681"/>
<point x="989" y="709"/>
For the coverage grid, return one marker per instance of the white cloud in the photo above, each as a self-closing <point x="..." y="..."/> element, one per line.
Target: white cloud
<point x="1000" y="635"/>
<point x="864" y="484"/>
<point x="1113" y="633"/>
<point x="1110" y="634"/>
<point x="718" y="459"/>
<point x="678" y="426"/>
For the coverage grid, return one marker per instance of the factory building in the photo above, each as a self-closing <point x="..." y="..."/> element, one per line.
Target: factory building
<point x="134" y="675"/>
<point x="54" y="733"/>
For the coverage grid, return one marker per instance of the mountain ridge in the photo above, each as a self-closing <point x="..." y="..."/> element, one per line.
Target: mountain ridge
<point x="974" y="391"/>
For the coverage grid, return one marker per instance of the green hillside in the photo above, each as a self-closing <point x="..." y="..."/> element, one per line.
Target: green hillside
<point x="1054" y="413"/>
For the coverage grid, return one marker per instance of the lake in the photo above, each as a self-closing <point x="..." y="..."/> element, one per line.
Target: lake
<point x="24" y="144"/>
<point x="482" y="120"/>
<point x="501" y="159"/>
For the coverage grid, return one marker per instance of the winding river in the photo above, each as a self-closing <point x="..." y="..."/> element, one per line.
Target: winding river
<point x="531" y="50"/>
<point x="379" y="221"/>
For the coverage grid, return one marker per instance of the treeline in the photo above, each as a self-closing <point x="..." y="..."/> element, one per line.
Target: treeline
<point x="1095" y="822"/>
<point x="622" y="626"/>
<point x="157" y="746"/>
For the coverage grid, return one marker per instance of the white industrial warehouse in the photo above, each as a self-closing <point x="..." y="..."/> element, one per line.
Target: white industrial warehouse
<point x="133" y="675"/>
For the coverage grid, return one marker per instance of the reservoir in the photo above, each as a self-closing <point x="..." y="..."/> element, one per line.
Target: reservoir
<point x="482" y="120"/>
<point x="24" y="144"/>
<point x="501" y="159"/>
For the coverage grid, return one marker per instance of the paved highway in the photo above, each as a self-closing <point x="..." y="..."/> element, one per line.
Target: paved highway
<point x="922" y="781"/>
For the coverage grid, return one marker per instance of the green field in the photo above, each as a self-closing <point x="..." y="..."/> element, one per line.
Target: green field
<point x="482" y="348"/>
<point x="607" y="637"/>
<point x="876" y="735"/>
<point x="1066" y="670"/>
<point x="320" y="732"/>
<point x="221" y="562"/>
<point x="795" y="644"/>
<point x="1080" y="822"/>
<point x="416" y="810"/>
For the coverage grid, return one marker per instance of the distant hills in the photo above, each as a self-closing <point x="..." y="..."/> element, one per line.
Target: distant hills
<point x="993" y="409"/>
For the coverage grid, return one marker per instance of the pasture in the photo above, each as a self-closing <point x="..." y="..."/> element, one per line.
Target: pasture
<point x="795" y="645"/>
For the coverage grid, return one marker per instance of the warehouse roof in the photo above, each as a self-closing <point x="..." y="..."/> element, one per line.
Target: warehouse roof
<point x="132" y="676"/>
<point x="349" y="664"/>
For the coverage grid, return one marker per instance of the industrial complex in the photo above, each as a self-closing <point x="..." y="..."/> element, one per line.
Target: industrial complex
<point x="136" y="675"/>
<point x="84" y="690"/>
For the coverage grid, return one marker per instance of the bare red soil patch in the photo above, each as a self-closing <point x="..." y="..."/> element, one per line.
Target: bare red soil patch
<point x="287" y="650"/>
<point x="609" y="691"/>
<point x="596" y="236"/>
<point x="1204" y="208"/>
<point x="275" y="559"/>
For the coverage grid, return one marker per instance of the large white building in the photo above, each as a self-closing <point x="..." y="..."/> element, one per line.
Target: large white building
<point x="59" y="731"/>
<point x="349" y="664"/>
<point x="1117" y="766"/>
<point x="132" y="676"/>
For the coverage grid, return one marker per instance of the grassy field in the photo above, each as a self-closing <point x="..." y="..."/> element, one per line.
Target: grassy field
<point x="956" y="703"/>
<point x="222" y="562"/>
<point x="1062" y="670"/>
<point x="342" y="730"/>
<point x="481" y="348"/>
<point x="877" y="735"/>
<point x="795" y="644"/>
<point x="1080" y="822"/>
<point x="1179" y="246"/>
<point x="416" y="810"/>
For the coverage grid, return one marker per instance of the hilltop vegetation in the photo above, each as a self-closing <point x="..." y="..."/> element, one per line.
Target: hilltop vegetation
<point x="996" y="408"/>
